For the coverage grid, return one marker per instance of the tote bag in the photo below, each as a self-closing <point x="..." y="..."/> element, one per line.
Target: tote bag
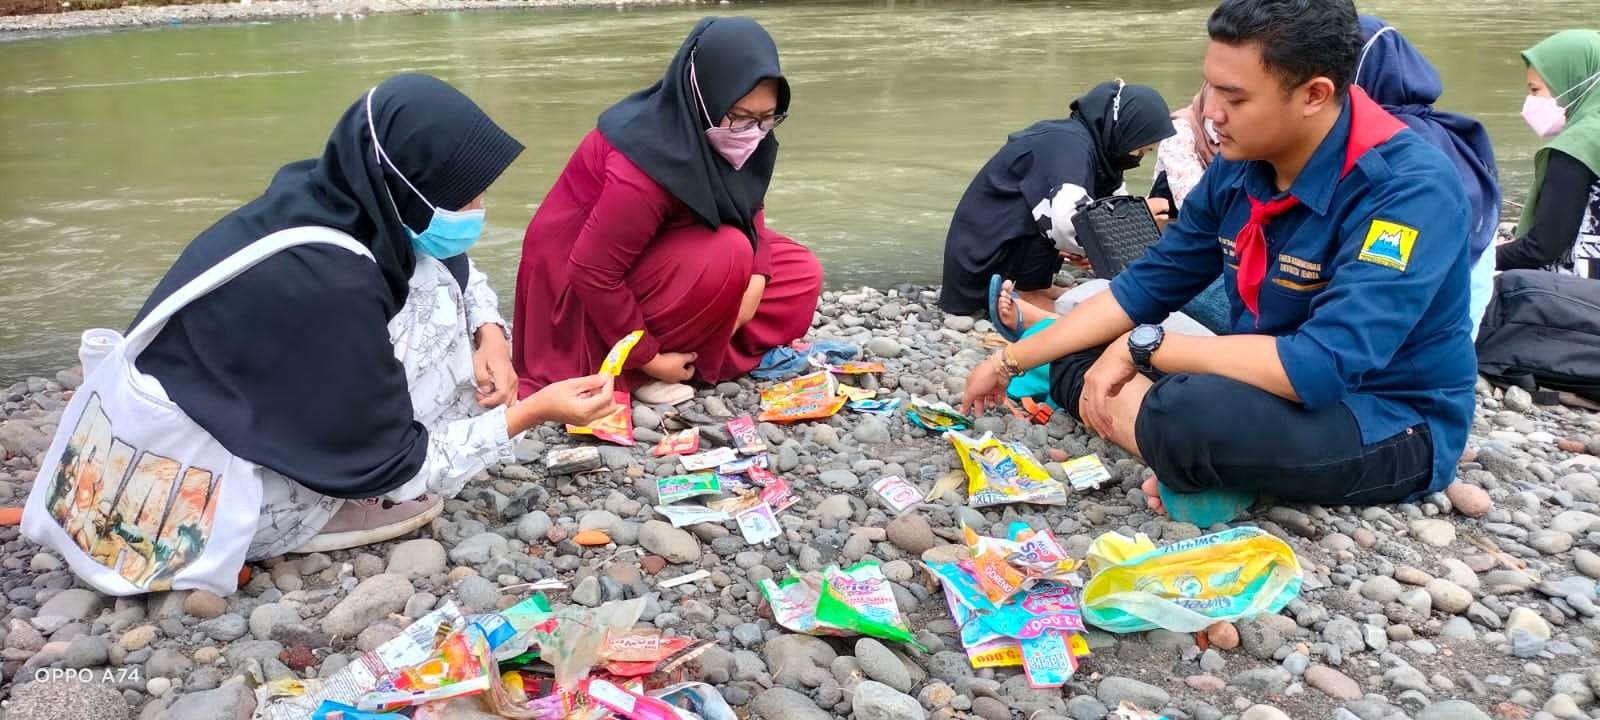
<point x="134" y="494"/>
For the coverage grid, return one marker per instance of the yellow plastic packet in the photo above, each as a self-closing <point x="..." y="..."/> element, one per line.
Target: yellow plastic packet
<point x="612" y="365"/>
<point x="999" y="473"/>
<point x="1185" y="587"/>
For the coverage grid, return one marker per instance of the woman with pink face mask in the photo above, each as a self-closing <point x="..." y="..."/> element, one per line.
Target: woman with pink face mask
<point x="656" y="224"/>
<point x="1560" y="226"/>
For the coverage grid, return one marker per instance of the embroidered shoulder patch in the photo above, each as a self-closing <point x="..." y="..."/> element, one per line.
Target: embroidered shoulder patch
<point x="1388" y="244"/>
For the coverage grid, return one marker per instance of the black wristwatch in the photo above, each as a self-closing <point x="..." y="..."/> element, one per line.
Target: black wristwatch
<point x="1142" y="344"/>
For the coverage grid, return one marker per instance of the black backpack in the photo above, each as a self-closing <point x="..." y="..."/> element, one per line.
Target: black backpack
<point x="1542" y="329"/>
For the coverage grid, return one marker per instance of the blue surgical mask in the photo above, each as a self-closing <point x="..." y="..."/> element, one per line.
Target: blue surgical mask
<point x="449" y="232"/>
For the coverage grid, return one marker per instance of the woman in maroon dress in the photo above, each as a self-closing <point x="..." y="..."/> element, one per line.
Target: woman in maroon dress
<point x="656" y="225"/>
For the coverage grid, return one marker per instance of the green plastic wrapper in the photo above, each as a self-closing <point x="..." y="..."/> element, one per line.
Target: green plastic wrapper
<point x="853" y="601"/>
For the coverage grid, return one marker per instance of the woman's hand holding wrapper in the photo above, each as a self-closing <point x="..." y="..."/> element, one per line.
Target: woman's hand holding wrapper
<point x="577" y="401"/>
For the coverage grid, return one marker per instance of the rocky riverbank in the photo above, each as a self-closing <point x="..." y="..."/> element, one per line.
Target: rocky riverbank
<point x="157" y="15"/>
<point x="1473" y="605"/>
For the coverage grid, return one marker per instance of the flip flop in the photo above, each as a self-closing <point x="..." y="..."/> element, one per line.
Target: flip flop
<point x="1011" y="334"/>
<point x="1204" y="509"/>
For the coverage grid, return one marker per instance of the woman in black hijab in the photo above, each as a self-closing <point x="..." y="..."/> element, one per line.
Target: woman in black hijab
<point x="1015" y="219"/>
<point x="656" y="225"/>
<point x="364" y="388"/>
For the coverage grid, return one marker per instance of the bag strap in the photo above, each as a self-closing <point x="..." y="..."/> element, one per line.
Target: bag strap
<point x="230" y="267"/>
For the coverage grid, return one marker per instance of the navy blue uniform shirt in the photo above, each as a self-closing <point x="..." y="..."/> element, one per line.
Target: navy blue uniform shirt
<point x="1366" y="285"/>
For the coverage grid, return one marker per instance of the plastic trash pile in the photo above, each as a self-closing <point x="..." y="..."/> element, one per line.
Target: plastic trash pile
<point x="526" y="662"/>
<point x="1015" y="602"/>
<point x="734" y="483"/>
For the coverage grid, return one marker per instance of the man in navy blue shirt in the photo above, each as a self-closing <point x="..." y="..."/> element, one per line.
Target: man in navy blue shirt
<point x="1341" y="237"/>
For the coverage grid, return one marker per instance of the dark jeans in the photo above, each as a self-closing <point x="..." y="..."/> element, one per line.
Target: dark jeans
<point x="1205" y="432"/>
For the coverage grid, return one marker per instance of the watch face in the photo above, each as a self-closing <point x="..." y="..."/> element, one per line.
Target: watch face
<point x="1145" y="335"/>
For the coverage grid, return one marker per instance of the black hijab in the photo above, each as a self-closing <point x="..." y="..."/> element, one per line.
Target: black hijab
<point x="662" y="128"/>
<point x="1122" y="125"/>
<point x="289" y="365"/>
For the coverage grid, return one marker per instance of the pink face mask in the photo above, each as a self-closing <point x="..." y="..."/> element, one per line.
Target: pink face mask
<point x="735" y="146"/>
<point x="1544" y="115"/>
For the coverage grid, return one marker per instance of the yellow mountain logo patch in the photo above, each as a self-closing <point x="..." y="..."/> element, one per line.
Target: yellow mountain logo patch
<point x="1388" y="244"/>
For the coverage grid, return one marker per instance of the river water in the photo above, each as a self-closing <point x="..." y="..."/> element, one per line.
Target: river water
<point x="117" y="148"/>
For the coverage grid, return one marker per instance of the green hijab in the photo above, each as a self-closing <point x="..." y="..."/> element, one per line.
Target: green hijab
<point x="1565" y="60"/>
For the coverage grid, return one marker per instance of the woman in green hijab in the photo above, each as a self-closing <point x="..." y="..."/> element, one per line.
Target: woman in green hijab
<point x="1560" y="227"/>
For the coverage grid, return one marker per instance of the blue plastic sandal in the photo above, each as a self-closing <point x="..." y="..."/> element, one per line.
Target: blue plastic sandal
<point x="1010" y="333"/>
<point x="1204" y="509"/>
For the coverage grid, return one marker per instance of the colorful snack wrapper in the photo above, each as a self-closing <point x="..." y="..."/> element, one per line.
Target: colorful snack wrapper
<point x="1039" y="555"/>
<point x="680" y="487"/>
<point x="708" y="459"/>
<point x="817" y="384"/>
<point x="897" y="494"/>
<point x="330" y="710"/>
<point x="876" y="407"/>
<point x="803" y="398"/>
<point x="618" y="355"/>
<point x="806" y="410"/>
<point x="626" y="703"/>
<point x="777" y="494"/>
<point x="794" y="603"/>
<point x="936" y="416"/>
<point x="462" y="664"/>
<point x="686" y="515"/>
<point x="855" y="601"/>
<point x="743" y="466"/>
<point x="999" y="652"/>
<point x="860" y="599"/>
<point x="736" y="504"/>
<point x="759" y="525"/>
<point x="762" y="476"/>
<point x="996" y="578"/>
<point x="614" y="428"/>
<point x="1086" y="472"/>
<point x="856" y="367"/>
<point x="632" y="645"/>
<point x="999" y="473"/>
<point x="855" y="394"/>
<point x="685" y="442"/>
<point x="1046" y="661"/>
<point x="1046" y="607"/>
<point x="745" y="438"/>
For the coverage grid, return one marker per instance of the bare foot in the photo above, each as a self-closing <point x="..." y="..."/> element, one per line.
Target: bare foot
<point x="1152" y="495"/>
<point x="1010" y="308"/>
<point x="1007" y="306"/>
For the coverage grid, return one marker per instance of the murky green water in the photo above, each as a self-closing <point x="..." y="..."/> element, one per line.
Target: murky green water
<point x="117" y="148"/>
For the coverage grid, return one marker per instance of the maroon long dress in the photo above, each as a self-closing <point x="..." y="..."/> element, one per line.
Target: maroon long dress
<point x="609" y="251"/>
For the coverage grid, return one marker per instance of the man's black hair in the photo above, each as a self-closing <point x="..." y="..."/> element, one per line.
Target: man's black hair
<point x="1299" y="39"/>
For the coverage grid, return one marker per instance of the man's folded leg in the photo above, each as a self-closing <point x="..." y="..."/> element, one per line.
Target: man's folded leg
<point x="1209" y="434"/>
<point x="1205" y="432"/>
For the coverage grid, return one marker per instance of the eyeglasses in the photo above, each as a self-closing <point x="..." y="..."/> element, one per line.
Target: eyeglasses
<point x="739" y="123"/>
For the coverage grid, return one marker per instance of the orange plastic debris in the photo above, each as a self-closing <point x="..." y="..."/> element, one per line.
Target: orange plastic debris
<point x="10" y="516"/>
<point x="590" y="538"/>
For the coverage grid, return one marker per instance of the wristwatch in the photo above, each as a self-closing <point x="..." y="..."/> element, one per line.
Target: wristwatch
<point x="1142" y="344"/>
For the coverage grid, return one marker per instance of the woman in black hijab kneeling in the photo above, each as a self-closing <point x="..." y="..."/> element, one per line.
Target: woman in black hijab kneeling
<point x="365" y="388"/>
<point x="1015" y="219"/>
